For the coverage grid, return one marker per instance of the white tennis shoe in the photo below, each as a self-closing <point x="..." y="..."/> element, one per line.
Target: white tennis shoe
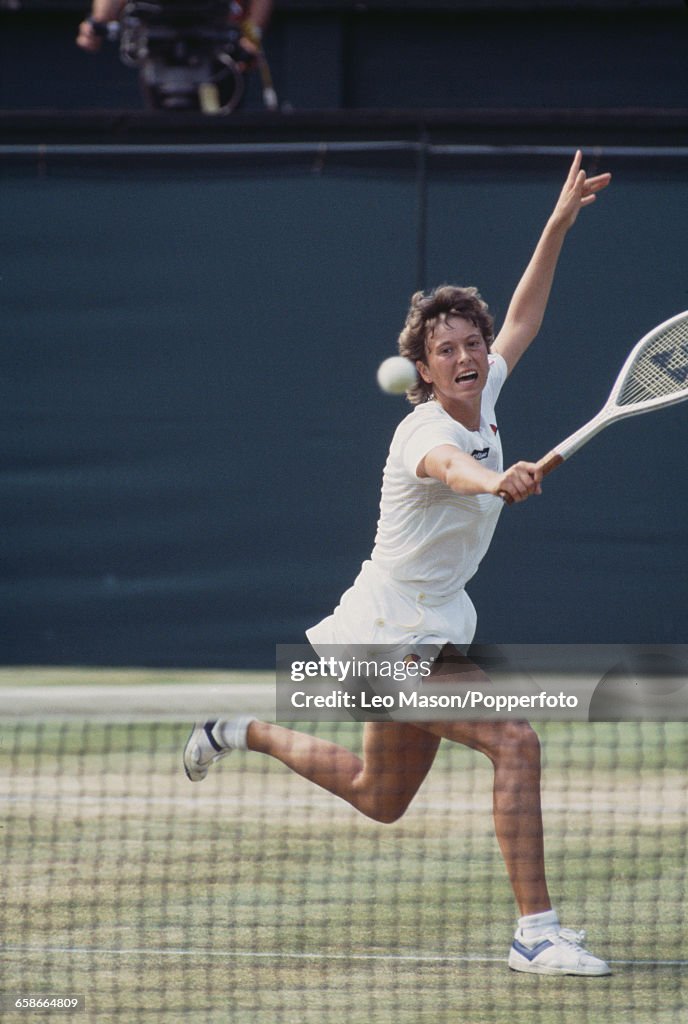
<point x="210" y="741"/>
<point x="559" y="951"/>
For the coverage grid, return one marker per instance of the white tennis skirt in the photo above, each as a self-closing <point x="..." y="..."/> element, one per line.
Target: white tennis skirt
<point x="378" y="613"/>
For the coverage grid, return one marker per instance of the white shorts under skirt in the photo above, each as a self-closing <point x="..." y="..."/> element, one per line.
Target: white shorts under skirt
<point x="378" y="614"/>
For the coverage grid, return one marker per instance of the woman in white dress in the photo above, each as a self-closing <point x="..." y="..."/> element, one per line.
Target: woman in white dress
<point x="441" y="497"/>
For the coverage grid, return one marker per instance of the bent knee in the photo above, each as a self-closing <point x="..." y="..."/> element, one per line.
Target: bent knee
<point x="389" y="815"/>
<point x="385" y="811"/>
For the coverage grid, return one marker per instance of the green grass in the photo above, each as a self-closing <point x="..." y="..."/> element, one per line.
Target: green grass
<point x="255" y="897"/>
<point x="41" y="676"/>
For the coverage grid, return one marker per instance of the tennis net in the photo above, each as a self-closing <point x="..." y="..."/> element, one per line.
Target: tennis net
<point x="257" y="897"/>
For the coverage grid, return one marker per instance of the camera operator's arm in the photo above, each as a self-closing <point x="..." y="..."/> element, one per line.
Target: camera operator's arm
<point x="258" y="14"/>
<point x="256" y="20"/>
<point x="89" y="37"/>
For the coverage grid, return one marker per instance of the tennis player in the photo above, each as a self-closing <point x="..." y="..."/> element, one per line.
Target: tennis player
<point x="439" y="507"/>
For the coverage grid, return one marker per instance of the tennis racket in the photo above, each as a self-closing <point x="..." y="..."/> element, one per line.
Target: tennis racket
<point x="655" y="374"/>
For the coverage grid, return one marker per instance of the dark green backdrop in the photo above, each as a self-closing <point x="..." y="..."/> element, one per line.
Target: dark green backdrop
<point x="193" y="436"/>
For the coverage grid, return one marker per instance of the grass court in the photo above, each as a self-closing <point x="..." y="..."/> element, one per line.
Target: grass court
<point x="254" y="897"/>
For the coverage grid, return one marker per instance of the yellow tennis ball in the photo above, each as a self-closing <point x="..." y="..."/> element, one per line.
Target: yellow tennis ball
<point x="396" y="375"/>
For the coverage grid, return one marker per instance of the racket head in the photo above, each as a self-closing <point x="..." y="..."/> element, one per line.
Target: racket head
<point x="655" y="373"/>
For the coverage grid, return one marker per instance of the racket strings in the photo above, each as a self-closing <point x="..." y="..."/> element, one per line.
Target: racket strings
<point x="660" y="369"/>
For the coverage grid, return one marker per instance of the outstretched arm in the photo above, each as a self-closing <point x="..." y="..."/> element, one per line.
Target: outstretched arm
<point x="460" y="472"/>
<point x="527" y="307"/>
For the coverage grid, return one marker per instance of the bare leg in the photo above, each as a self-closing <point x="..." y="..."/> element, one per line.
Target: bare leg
<point x="396" y="758"/>
<point x="514" y="750"/>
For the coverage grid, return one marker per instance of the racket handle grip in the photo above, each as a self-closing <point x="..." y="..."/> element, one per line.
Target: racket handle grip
<point x="550" y="462"/>
<point x="546" y="464"/>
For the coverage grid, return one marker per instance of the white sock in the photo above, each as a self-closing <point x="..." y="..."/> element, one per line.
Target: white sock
<point x="230" y="733"/>
<point x="534" y="925"/>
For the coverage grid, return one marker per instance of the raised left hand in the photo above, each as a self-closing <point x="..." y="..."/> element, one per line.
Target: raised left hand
<point x="578" y="191"/>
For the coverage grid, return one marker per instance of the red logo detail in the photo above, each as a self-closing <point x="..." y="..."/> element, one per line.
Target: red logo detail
<point x="494" y="428"/>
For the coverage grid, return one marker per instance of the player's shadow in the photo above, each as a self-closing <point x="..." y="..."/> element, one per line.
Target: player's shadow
<point x="648" y="686"/>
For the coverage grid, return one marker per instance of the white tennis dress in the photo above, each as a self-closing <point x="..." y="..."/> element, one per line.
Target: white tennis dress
<point x="429" y="543"/>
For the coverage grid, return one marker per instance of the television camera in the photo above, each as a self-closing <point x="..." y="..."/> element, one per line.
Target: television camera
<point x="189" y="55"/>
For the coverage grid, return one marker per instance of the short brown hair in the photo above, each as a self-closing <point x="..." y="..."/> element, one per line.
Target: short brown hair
<point x="426" y="311"/>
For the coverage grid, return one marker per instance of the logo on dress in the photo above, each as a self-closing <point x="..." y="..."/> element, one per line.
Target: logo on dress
<point x="494" y="428"/>
<point x="480" y="453"/>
